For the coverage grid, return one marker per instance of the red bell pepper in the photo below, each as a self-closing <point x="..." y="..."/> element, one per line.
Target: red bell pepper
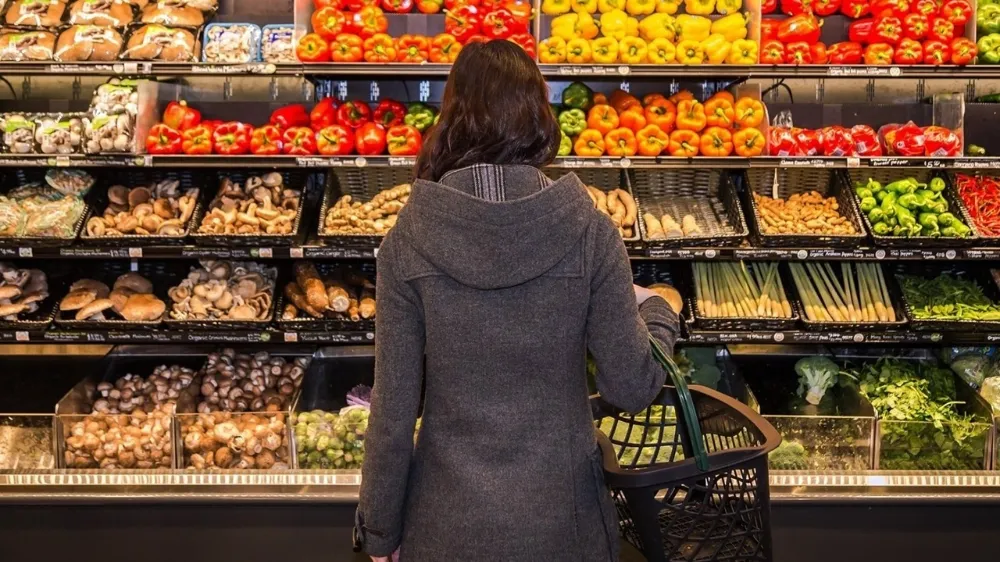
<point x="323" y="114"/>
<point x="369" y="139"/>
<point x="941" y="30"/>
<point x="163" y="139"/>
<point x="404" y="140"/>
<point x="818" y="53"/>
<point x="768" y="6"/>
<point x="802" y="27"/>
<point x="894" y="8"/>
<point x="526" y="41"/>
<point x="368" y="21"/>
<point x="197" y="140"/>
<point x="266" y="140"/>
<point x="860" y="31"/>
<point x="940" y="141"/>
<point x="355" y="5"/>
<point x="936" y="52"/>
<point x="906" y="140"/>
<point x="389" y="113"/>
<point x="856" y="8"/>
<point x="798" y="53"/>
<point x="768" y="29"/>
<point x="845" y="52"/>
<point x="837" y="141"/>
<point x="397" y="6"/>
<point x="353" y="114"/>
<point x="957" y="12"/>
<point x="865" y="141"/>
<point x="476" y="38"/>
<point x="232" y="138"/>
<point x="179" y="116"/>
<point x="825" y="8"/>
<point x="320" y="4"/>
<point x="808" y="141"/>
<point x="335" y="140"/>
<point x="347" y="48"/>
<point x="925" y="7"/>
<point x="294" y="115"/>
<point x="916" y="26"/>
<point x="462" y="22"/>
<point x="963" y="51"/>
<point x="412" y="48"/>
<point x="909" y="51"/>
<point x="772" y="52"/>
<point x="328" y="22"/>
<point x="429" y="6"/>
<point x="796" y="7"/>
<point x="878" y="53"/>
<point x="886" y="29"/>
<point x="312" y="48"/>
<point x="781" y="142"/>
<point x="498" y="24"/>
<point x="298" y="141"/>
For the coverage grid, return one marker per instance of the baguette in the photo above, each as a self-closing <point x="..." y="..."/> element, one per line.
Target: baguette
<point x="338" y="296"/>
<point x="654" y="230"/>
<point x="366" y="306"/>
<point x="308" y="279"/>
<point x="294" y="293"/>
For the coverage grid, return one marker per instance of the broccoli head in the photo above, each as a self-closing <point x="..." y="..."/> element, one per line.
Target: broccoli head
<point x="816" y="376"/>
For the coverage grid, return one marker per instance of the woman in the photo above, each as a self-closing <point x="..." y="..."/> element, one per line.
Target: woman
<point x="502" y="280"/>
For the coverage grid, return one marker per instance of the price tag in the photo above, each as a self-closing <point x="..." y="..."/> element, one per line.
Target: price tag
<point x="25" y="252"/>
<point x="265" y="252"/>
<point x="295" y="253"/>
<point x="134" y="266"/>
<point x="135" y="252"/>
<point x="21" y="336"/>
<point x="853" y="162"/>
<point x="60" y="161"/>
<point x="291" y="337"/>
<point x="375" y="252"/>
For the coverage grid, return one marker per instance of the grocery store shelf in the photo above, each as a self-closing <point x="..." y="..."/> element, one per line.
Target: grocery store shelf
<point x="269" y="334"/>
<point x="836" y="336"/>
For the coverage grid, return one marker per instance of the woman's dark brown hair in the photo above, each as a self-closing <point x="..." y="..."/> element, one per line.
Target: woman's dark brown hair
<point x="495" y="111"/>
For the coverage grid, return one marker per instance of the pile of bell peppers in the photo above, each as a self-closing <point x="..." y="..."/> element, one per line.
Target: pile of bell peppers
<point x="353" y="31"/>
<point x="622" y="125"/>
<point x="909" y="208"/>
<point x="988" y="26"/>
<point x="647" y="32"/>
<point x="329" y="128"/>
<point x="899" y="32"/>
<point x="863" y="140"/>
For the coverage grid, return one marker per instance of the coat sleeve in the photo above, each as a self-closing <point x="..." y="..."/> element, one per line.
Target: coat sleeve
<point x="399" y="360"/>
<point x="618" y="330"/>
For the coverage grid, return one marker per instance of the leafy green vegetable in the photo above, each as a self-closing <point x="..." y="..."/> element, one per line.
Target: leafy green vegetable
<point x="816" y="376"/>
<point x="636" y="443"/>
<point x="790" y="455"/>
<point x="946" y="297"/>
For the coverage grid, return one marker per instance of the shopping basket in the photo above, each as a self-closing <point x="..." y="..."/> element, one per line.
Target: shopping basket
<point x="688" y="475"/>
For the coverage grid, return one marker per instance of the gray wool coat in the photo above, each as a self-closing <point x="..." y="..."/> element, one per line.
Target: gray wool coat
<point x="491" y="288"/>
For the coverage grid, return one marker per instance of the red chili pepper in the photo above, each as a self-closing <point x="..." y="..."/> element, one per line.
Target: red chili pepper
<point x="369" y="139"/>
<point x="887" y="29"/>
<point x="878" y="53"/>
<point x="178" y="115"/>
<point x="298" y="141"/>
<point x="163" y="139"/>
<point x="981" y="196"/>
<point x="266" y="140"/>
<point x="294" y="115"/>
<point x="936" y="52"/>
<point x="232" y="138"/>
<point x="802" y="27"/>
<point x="909" y="51"/>
<point x="963" y="51"/>
<point x="389" y="113"/>
<point x="856" y="8"/>
<point x="941" y="30"/>
<point x="861" y="30"/>
<point x="957" y="12"/>
<point x="323" y="114"/>
<point x="404" y="140"/>
<point x="768" y="29"/>
<point x="353" y="114"/>
<point x="845" y="52"/>
<point x="335" y="140"/>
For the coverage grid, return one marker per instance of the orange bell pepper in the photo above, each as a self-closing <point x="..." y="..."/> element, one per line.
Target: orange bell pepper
<point x="684" y="143"/>
<point x="749" y="142"/>
<point x="648" y="98"/>
<point x="749" y="113"/>
<point x="621" y="142"/>
<point x="589" y="143"/>
<point x="652" y="140"/>
<point x="602" y="118"/>
<point x="633" y="118"/>
<point x="681" y="96"/>
<point x="716" y="141"/>
<point x="662" y="113"/>
<point x="724" y="94"/>
<point x="719" y="112"/>
<point x="622" y="100"/>
<point x="691" y="115"/>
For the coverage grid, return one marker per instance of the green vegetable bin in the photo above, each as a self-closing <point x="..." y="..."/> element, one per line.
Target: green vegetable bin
<point x="895" y="301"/>
<point x="979" y="274"/>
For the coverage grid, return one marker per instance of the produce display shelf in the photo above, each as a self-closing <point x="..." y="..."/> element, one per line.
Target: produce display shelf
<point x="900" y="337"/>
<point x="54" y="334"/>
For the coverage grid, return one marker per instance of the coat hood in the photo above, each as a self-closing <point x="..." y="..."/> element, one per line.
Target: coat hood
<point x="492" y="245"/>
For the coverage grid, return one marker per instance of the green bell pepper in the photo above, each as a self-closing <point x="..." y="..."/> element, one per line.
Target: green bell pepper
<point x="419" y="116"/>
<point x="988" y="47"/>
<point x="565" y="145"/>
<point x="868" y="203"/>
<point x="572" y="122"/>
<point x="988" y="19"/>
<point x="578" y="96"/>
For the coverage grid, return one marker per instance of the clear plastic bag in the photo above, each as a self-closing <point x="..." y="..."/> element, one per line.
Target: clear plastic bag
<point x="106" y="13"/>
<point x="59" y="133"/>
<point x="157" y="42"/>
<point x="229" y="43"/>
<point x="27" y="45"/>
<point x="88" y="43"/>
<point x="18" y="133"/>
<point x="277" y="45"/>
<point x="35" y="13"/>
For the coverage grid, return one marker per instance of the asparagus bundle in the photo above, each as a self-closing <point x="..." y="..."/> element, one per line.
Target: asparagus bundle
<point x="734" y="290"/>
<point x="857" y="294"/>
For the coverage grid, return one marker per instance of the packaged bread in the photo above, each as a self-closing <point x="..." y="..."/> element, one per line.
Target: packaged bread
<point x="35" y="13"/>
<point x="27" y="45"/>
<point x="169" y="14"/>
<point x="88" y="43"/>
<point x="157" y="42"/>
<point x="108" y="13"/>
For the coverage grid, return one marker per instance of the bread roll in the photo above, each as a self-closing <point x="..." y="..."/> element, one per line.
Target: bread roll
<point x="185" y="16"/>
<point x="88" y="43"/>
<point x="27" y="45"/>
<point x="36" y="13"/>
<point x="156" y="42"/>
<point x="107" y="13"/>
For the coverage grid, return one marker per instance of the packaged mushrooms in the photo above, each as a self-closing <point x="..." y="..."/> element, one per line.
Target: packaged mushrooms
<point x="222" y="440"/>
<point x="160" y="210"/>
<point x="264" y="205"/>
<point x="110" y="125"/>
<point x="260" y="382"/>
<point x="157" y="42"/>
<point x="231" y="43"/>
<point x="56" y="133"/>
<point x="377" y="216"/>
<point x="18" y="133"/>
<point x="343" y="294"/>
<point x="131" y="298"/>
<point x="35" y="13"/>
<point x="80" y="43"/>
<point x="139" y="440"/>
<point x="21" y="291"/>
<point x="27" y="45"/>
<point x="277" y="44"/>
<point x="222" y="290"/>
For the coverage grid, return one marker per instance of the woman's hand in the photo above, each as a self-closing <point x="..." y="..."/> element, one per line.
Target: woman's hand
<point x="668" y="293"/>
<point x="393" y="558"/>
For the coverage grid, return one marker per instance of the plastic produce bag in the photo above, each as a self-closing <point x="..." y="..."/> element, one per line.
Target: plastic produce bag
<point x="18" y="133"/>
<point x="58" y="133"/>
<point x="27" y="45"/>
<point x="278" y="44"/>
<point x="991" y="392"/>
<point x="229" y="43"/>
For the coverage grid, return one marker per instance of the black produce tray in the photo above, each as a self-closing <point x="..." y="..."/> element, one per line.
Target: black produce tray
<point x="740" y="324"/>
<point x="308" y="323"/>
<point x="800" y="180"/>
<point x="923" y="175"/>
<point x="709" y="195"/>
<point x="981" y="275"/>
<point x="302" y="180"/>
<point x="604" y="179"/>
<point x="646" y="273"/>
<point x="361" y="184"/>
<point x="221" y="325"/>
<point x="132" y="177"/>
<point x="162" y="274"/>
<point x="984" y="240"/>
<point x="895" y="298"/>
<point x="27" y="175"/>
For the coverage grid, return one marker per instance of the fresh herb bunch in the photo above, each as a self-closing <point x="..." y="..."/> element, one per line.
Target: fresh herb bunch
<point x="947" y="297"/>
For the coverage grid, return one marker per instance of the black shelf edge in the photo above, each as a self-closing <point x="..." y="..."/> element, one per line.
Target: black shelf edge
<point x="847" y="337"/>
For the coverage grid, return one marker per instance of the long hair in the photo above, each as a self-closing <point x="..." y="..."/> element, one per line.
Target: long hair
<point x="495" y="111"/>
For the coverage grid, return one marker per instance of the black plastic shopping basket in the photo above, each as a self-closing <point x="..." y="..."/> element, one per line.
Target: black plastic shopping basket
<point x="689" y="474"/>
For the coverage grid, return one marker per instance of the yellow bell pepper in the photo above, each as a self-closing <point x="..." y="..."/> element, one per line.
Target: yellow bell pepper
<point x="589" y="6"/>
<point x="632" y="27"/>
<point x="552" y="50"/>
<point x="695" y="28"/>
<point x="605" y="6"/>
<point x="699" y="7"/>
<point x="604" y="50"/>
<point x="657" y="26"/>
<point x="690" y="51"/>
<point x="613" y="24"/>
<point x="716" y="48"/>
<point x="632" y="50"/>
<point x="578" y="51"/>
<point x="555" y="7"/>
<point x="661" y="51"/>
<point x="570" y="26"/>
<point x="744" y="51"/>
<point x="668" y="6"/>
<point x="728" y="6"/>
<point x="640" y="7"/>
<point x="732" y="27"/>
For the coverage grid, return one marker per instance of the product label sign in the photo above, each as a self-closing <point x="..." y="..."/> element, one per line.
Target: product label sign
<point x="864" y="71"/>
<point x="892" y="162"/>
<point x="590" y="70"/>
<point x="338" y="253"/>
<point x="914" y="254"/>
<point x="836" y="254"/>
<point x="10" y="252"/>
<point x="809" y="163"/>
<point x="195" y="252"/>
<point x="402" y="162"/>
<point x="984" y="254"/>
<point x="764" y="254"/>
<point x="976" y="164"/>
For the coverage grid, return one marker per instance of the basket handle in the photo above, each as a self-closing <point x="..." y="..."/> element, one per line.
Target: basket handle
<point x="686" y="404"/>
